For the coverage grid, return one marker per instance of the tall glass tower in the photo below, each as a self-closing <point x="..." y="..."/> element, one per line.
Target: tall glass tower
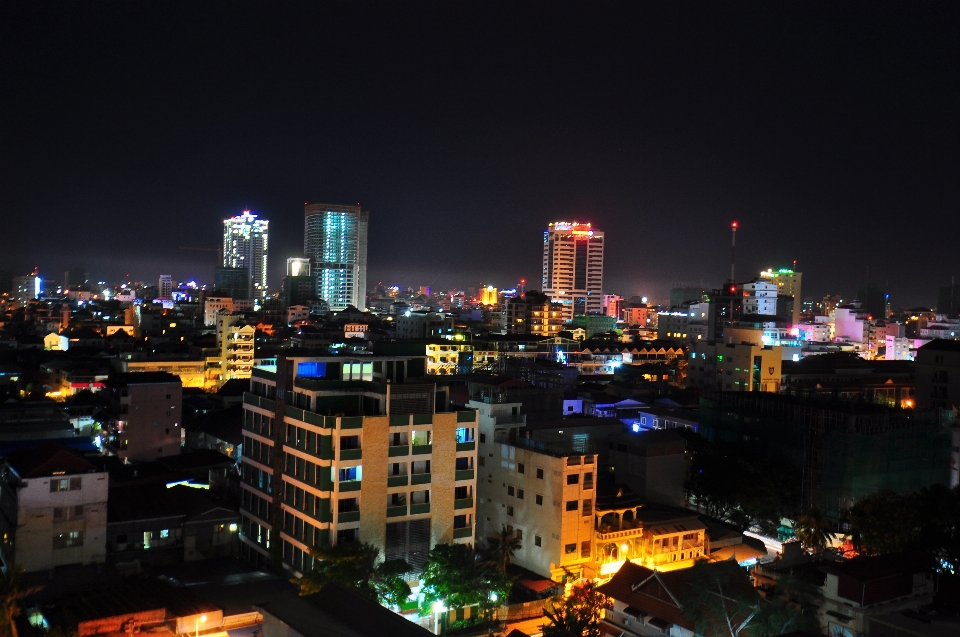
<point x="245" y="246"/>
<point x="335" y="241"/>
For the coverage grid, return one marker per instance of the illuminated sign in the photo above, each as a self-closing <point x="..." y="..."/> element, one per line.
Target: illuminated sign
<point x="355" y="330"/>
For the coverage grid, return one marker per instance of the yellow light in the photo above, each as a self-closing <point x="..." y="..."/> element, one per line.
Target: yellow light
<point x="624" y="547"/>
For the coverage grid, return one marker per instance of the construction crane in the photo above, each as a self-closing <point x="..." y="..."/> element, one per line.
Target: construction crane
<point x="218" y="250"/>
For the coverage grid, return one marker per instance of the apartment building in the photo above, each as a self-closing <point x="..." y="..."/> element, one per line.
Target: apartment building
<point x="147" y="415"/>
<point x="53" y="509"/>
<point x="341" y="449"/>
<point x="544" y="491"/>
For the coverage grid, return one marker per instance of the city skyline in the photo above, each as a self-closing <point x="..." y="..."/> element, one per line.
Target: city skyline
<point x="822" y="132"/>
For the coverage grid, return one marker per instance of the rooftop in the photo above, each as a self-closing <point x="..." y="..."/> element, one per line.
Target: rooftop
<point x="48" y="460"/>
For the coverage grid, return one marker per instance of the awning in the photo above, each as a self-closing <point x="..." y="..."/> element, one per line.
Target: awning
<point x="634" y="612"/>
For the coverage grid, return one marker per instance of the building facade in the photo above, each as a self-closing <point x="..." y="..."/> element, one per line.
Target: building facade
<point x="146" y="420"/>
<point x="53" y="509"/>
<point x="342" y="450"/>
<point x="245" y="244"/>
<point x="335" y="241"/>
<point x="788" y="291"/>
<point x="573" y="267"/>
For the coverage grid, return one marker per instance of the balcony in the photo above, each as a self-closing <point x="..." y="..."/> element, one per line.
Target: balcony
<point x="511" y="419"/>
<point x="466" y="446"/>
<point x="397" y="481"/>
<point x="464" y="474"/>
<point x="397" y="511"/>
<point x="353" y="485"/>
<point x="350" y="454"/>
<point x="349" y="516"/>
<point x="464" y="503"/>
<point x="462" y="533"/>
<point x="420" y="450"/>
<point x="420" y="478"/>
<point x="416" y="509"/>
<point x="398" y="450"/>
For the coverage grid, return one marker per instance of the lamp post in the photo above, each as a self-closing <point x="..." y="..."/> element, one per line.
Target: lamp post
<point x="200" y="619"/>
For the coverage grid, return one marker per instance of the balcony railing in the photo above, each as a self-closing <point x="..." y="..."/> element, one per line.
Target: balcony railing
<point x="463" y="503"/>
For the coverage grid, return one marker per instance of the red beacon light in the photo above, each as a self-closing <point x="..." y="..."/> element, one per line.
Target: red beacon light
<point x="734" y="225"/>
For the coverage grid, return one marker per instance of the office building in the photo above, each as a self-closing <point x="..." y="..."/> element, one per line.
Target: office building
<point x="335" y="241"/>
<point x="299" y="287"/>
<point x="788" y="292"/>
<point x="357" y="450"/>
<point x="165" y="287"/>
<point x="55" y="509"/>
<point x="29" y="287"/>
<point x="573" y="267"/>
<point x="245" y="242"/>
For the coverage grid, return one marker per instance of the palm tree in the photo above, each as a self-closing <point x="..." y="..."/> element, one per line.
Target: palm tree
<point x="502" y="546"/>
<point x="814" y="530"/>
<point x="11" y="592"/>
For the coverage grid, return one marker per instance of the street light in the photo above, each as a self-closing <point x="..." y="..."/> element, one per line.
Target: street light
<point x="200" y="619"/>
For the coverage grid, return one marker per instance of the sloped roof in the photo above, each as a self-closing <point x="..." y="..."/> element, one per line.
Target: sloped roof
<point x="46" y="460"/>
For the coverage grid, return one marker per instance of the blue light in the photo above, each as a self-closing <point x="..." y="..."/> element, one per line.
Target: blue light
<point x="312" y="370"/>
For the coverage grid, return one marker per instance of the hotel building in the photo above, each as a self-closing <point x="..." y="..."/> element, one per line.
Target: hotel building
<point x="573" y="267"/>
<point x="335" y="240"/>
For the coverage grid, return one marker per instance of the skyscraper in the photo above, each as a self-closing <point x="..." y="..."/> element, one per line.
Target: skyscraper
<point x="573" y="267"/>
<point x="335" y="240"/>
<point x="245" y="246"/>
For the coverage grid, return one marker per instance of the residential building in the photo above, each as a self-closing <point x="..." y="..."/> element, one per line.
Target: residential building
<point x="652" y="463"/>
<point x="53" y="509"/>
<point x="759" y="297"/>
<point x="237" y="344"/>
<point x="788" y="292"/>
<point x="635" y="316"/>
<point x="28" y="288"/>
<point x="214" y="305"/>
<point x="533" y="314"/>
<point x="573" y="267"/>
<point x="612" y="305"/>
<point x="335" y="241"/>
<point x="544" y="491"/>
<point x="245" y="246"/>
<point x="341" y="449"/>
<point x="423" y="324"/>
<point x="146" y="418"/>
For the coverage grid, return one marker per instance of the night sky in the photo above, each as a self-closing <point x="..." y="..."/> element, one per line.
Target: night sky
<point x="829" y="131"/>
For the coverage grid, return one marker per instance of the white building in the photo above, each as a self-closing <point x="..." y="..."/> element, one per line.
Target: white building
<point x="245" y="243"/>
<point x="214" y="305"/>
<point x="335" y="241"/>
<point x="54" y="505"/>
<point x="788" y="285"/>
<point x="760" y="297"/>
<point x="573" y="267"/>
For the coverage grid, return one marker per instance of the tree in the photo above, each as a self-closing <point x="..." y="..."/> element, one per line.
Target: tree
<point x="579" y="613"/>
<point x="814" y="530"/>
<point x="720" y="599"/>
<point x="884" y="522"/>
<point x="12" y="591"/>
<point x="502" y="546"/>
<point x="458" y="576"/>
<point x="357" y="566"/>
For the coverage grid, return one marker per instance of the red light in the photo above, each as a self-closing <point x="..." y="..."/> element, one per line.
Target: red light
<point x="734" y="225"/>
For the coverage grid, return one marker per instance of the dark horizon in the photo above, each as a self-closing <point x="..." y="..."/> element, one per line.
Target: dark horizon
<point x="830" y="133"/>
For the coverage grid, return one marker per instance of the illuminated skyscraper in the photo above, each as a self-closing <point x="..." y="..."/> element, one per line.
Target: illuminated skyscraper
<point x="245" y="246"/>
<point x="335" y="240"/>
<point x="573" y="267"/>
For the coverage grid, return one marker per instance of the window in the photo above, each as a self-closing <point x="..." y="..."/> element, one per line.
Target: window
<point x="464" y="463"/>
<point x="520" y="467"/>
<point x="585" y="549"/>
<point x="537" y="541"/>
<point x="349" y="474"/>
<point x="483" y="438"/>
<point x="465" y="434"/>
<point x="510" y="511"/>
<point x="67" y="540"/>
<point x="572" y="505"/>
<point x="539" y="500"/>
<point x="510" y="491"/>
<point x="57" y="513"/>
<point x="349" y="442"/>
<point x="539" y="474"/>
<point x="65" y="484"/>
<point x="587" y="507"/>
<point x="518" y="533"/>
<point x="569" y="548"/>
<point x="520" y="493"/>
<point x="573" y="478"/>
<point x="164" y="533"/>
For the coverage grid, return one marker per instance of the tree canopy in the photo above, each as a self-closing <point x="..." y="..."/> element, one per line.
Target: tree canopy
<point x="502" y="546"/>
<point x="458" y="576"/>
<point x="579" y="613"/>
<point x="357" y="566"/>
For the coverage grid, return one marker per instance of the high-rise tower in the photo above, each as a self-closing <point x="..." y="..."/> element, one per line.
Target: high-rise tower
<point x="245" y="246"/>
<point x="573" y="267"/>
<point x="335" y="240"/>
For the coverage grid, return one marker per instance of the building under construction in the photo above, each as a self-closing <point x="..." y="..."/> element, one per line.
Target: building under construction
<point x="843" y="450"/>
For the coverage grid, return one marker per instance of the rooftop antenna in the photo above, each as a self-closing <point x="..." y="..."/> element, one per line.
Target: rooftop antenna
<point x="733" y="252"/>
